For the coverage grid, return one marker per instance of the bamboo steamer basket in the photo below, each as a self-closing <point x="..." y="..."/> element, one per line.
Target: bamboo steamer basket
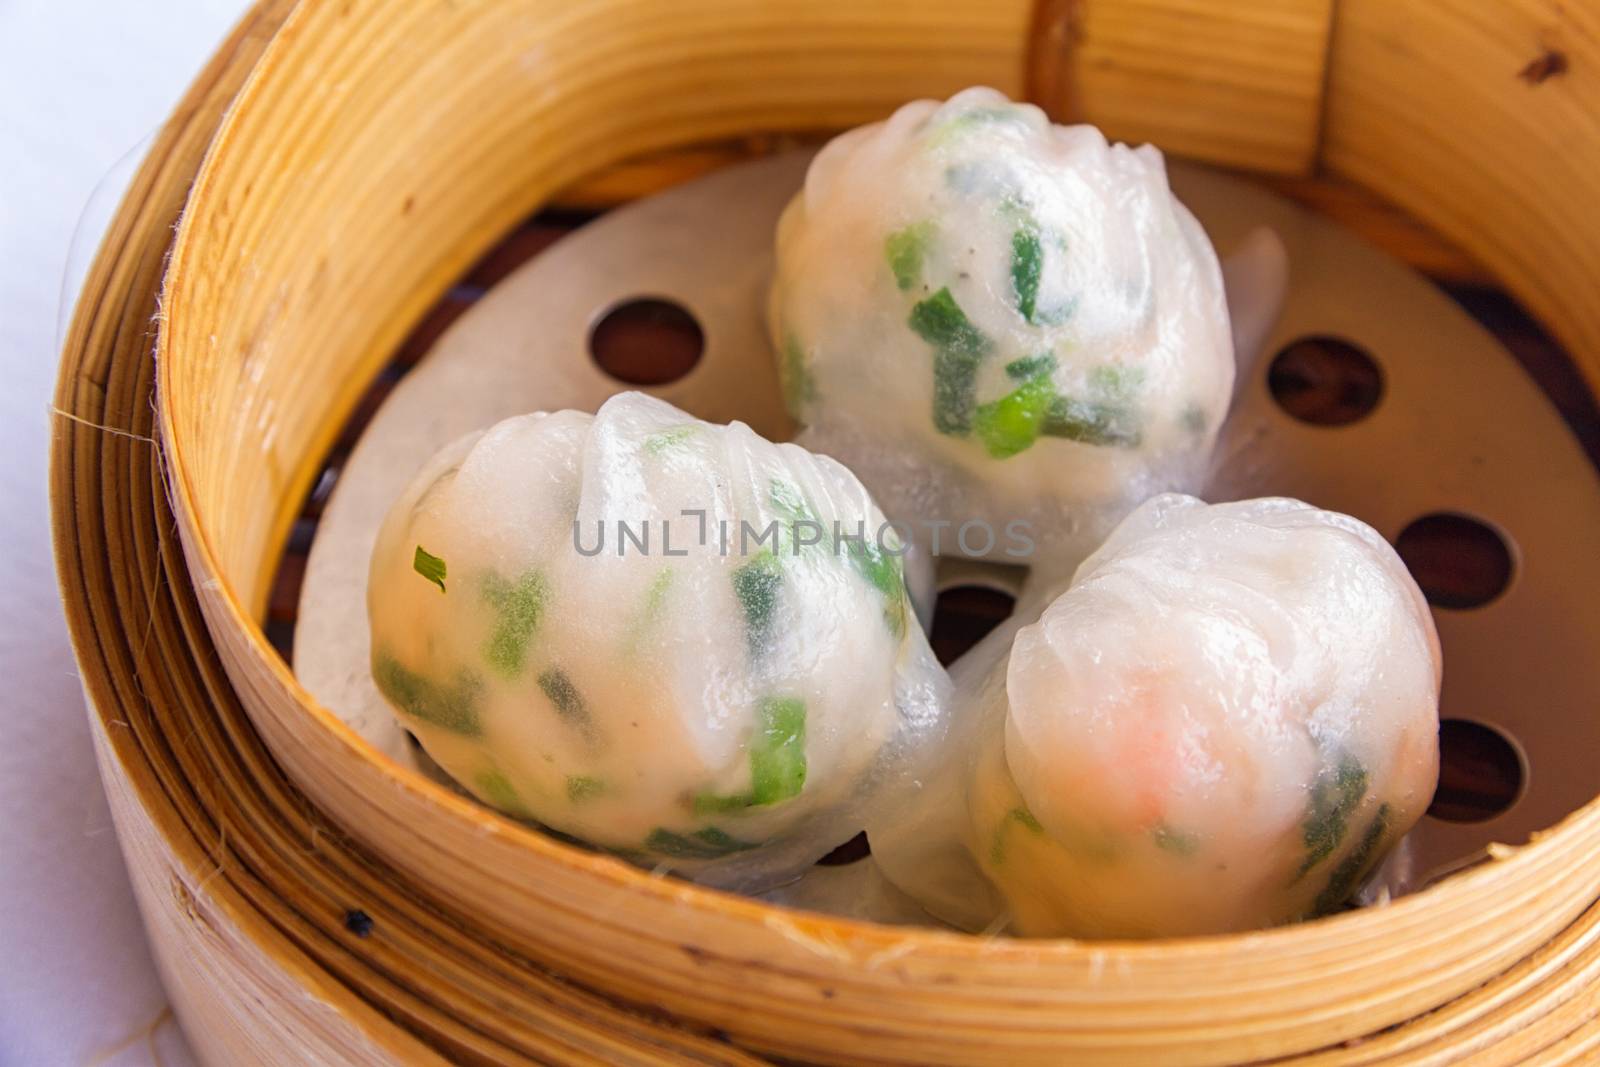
<point x="339" y="163"/>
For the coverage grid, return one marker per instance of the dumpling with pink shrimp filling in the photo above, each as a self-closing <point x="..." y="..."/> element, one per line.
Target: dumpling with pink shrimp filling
<point x="1222" y="724"/>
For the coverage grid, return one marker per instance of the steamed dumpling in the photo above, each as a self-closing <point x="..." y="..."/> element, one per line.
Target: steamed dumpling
<point x="637" y="628"/>
<point x="990" y="317"/>
<point x="1222" y="724"/>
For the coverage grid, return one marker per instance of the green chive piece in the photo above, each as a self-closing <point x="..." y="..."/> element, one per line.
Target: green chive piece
<point x="452" y="707"/>
<point x="1021" y="370"/>
<point x="878" y="567"/>
<point x="1055" y="316"/>
<point x="788" y="501"/>
<point x="429" y="566"/>
<point x="650" y="612"/>
<point x="940" y="321"/>
<point x="755" y="583"/>
<point x="1011" y="424"/>
<point x="955" y="386"/>
<point x="1018" y="816"/>
<point x="777" y="760"/>
<point x="669" y="843"/>
<point x="1027" y="818"/>
<point x="637" y="857"/>
<point x="886" y="573"/>
<point x="1193" y="419"/>
<point x="565" y="696"/>
<point x="1348" y="874"/>
<point x="714" y="838"/>
<point x="1335" y="795"/>
<point x="1115" y="382"/>
<point x="497" y="789"/>
<point x="778" y="751"/>
<point x="995" y="113"/>
<point x="795" y="378"/>
<point x="967" y="121"/>
<point x="518" y="607"/>
<point x="1178" y="842"/>
<point x="1092" y="423"/>
<point x="1027" y="267"/>
<point x="581" y="787"/>
<point x="708" y="844"/>
<point x="655" y="598"/>
<point x="906" y="249"/>
<point x="720" y="804"/>
<point x="959" y="348"/>
<point x="668" y="440"/>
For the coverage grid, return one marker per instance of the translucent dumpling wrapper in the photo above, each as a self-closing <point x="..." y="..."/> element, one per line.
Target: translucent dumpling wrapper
<point x="1222" y="724"/>
<point x="993" y="319"/>
<point x="671" y="639"/>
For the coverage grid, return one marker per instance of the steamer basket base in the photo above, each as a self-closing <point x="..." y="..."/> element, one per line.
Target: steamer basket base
<point x="1457" y="430"/>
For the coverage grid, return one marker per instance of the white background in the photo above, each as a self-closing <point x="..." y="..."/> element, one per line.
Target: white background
<point x="83" y="83"/>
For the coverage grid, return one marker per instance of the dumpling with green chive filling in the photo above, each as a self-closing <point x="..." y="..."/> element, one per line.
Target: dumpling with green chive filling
<point x="991" y="317"/>
<point x="1223" y="723"/>
<point x="671" y="639"/>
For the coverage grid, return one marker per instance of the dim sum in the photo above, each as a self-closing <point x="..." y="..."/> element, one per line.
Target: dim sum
<point x="995" y="319"/>
<point x="1222" y="724"/>
<point x="670" y="639"/>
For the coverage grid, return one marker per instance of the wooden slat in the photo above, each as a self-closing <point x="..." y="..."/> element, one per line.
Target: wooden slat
<point x="1480" y="118"/>
<point x="1381" y="223"/>
<point x="1238" y="83"/>
<point x="1352" y="206"/>
<point x="659" y="171"/>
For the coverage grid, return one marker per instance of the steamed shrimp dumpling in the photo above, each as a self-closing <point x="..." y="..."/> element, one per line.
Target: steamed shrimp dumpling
<point x="1222" y="724"/>
<point x="988" y="316"/>
<point x="634" y="627"/>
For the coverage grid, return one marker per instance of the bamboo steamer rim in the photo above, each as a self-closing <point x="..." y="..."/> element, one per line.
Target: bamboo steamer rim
<point x="227" y="613"/>
<point x="600" y="866"/>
